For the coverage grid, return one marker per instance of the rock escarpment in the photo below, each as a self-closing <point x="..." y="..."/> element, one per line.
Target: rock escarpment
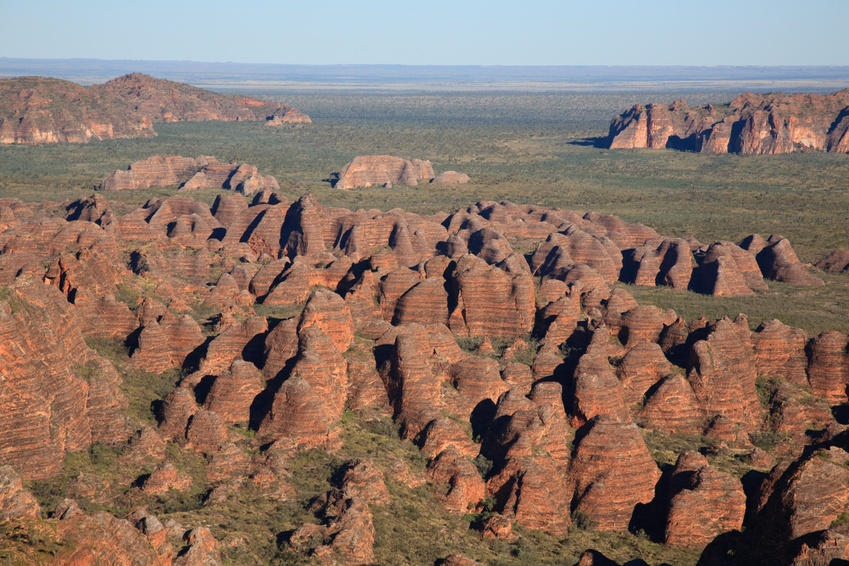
<point x="386" y="171"/>
<point x="186" y="173"/>
<point x="377" y="170"/>
<point x="36" y="110"/>
<point x="749" y="124"/>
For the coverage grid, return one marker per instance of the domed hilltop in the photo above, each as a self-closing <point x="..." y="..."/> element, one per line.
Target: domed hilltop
<point x="749" y="124"/>
<point x="265" y="381"/>
<point x="36" y="110"/>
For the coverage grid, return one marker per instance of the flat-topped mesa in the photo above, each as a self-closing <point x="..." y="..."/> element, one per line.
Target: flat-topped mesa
<point x="187" y="173"/>
<point x="385" y="170"/>
<point x="35" y="110"/>
<point x="750" y="124"/>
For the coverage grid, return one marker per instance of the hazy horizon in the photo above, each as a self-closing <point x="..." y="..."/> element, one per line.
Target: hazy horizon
<point x="365" y="77"/>
<point x="472" y="32"/>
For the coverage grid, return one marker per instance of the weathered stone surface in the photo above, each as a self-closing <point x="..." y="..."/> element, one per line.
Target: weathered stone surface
<point x="202" y="172"/>
<point x="672" y="406"/>
<point x="807" y="497"/>
<point x="15" y="501"/>
<point x="704" y="503"/>
<point x="596" y="389"/>
<point x="613" y="471"/>
<point x="668" y="263"/>
<point x="458" y="484"/>
<point x="722" y="373"/>
<point x="83" y="113"/>
<point x="727" y="270"/>
<point x="450" y="178"/>
<point x="290" y="116"/>
<point x="485" y="300"/>
<point x="643" y="366"/>
<point x="835" y="262"/>
<point x="327" y="311"/>
<point x="57" y="394"/>
<point x="100" y="538"/>
<point x="827" y="366"/>
<point x="780" y="351"/>
<point x="164" y="478"/>
<point x="233" y="392"/>
<point x="166" y="343"/>
<point x="750" y="124"/>
<point x="371" y="170"/>
<point x="778" y="261"/>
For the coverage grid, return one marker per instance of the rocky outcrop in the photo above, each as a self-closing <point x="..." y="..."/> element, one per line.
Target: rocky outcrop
<point x="202" y="172"/>
<point x="704" y="503"/>
<point x="382" y="170"/>
<point x="450" y="178"/>
<point x="35" y="110"/>
<point x="749" y="124"/>
<point x="722" y="373"/>
<point x="613" y="472"/>
<point x="290" y="116"/>
<point x="57" y="395"/>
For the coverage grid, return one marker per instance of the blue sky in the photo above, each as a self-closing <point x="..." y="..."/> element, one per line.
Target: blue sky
<point x="438" y="32"/>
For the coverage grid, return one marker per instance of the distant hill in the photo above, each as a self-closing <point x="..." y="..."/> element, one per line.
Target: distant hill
<point x="37" y="110"/>
<point x="749" y="124"/>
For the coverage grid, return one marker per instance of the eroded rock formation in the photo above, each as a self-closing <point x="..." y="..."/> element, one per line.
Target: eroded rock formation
<point x="35" y="110"/>
<point x="749" y="124"/>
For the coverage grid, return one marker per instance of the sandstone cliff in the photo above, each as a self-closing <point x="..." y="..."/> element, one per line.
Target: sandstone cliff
<point x="186" y="173"/>
<point x="749" y="124"/>
<point x="36" y="110"/>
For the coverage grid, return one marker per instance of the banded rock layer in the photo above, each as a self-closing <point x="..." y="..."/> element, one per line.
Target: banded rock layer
<point x="749" y="124"/>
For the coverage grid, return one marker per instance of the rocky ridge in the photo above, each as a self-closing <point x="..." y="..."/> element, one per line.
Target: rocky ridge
<point x="528" y="391"/>
<point x="188" y="174"/>
<point x="750" y="124"/>
<point x="386" y="171"/>
<point x="36" y="110"/>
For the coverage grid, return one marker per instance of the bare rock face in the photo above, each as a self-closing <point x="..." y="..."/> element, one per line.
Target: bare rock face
<point x="596" y="389"/>
<point x="291" y="116"/>
<point x="57" y="394"/>
<point x="459" y="485"/>
<point x="29" y="115"/>
<point x="749" y="124"/>
<point x="780" y="351"/>
<point x="488" y="301"/>
<point x="827" y="366"/>
<point x="778" y="261"/>
<point x="668" y="264"/>
<point x="102" y="538"/>
<point x="806" y="497"/>
<point x="722" y="373"/>
<point x="672" y="406"/>
<point x="167" y="343"/>
<point x="203" y="172"/>
<point x="233" y="392"/>
<point x="15" y="501"/>
<point x="371" y="170"/>
<point x="613" y="471"/>
<point x="450" y="178"/>
<point x="704" y="503"/>
<point x="35" y="110"/>
<point x="327" y="310"/>
<point x="835" y="262"/>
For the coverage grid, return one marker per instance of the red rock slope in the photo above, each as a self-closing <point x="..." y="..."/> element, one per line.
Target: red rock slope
<point x="36" y="110"/>
<point x="749" y="124"/>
